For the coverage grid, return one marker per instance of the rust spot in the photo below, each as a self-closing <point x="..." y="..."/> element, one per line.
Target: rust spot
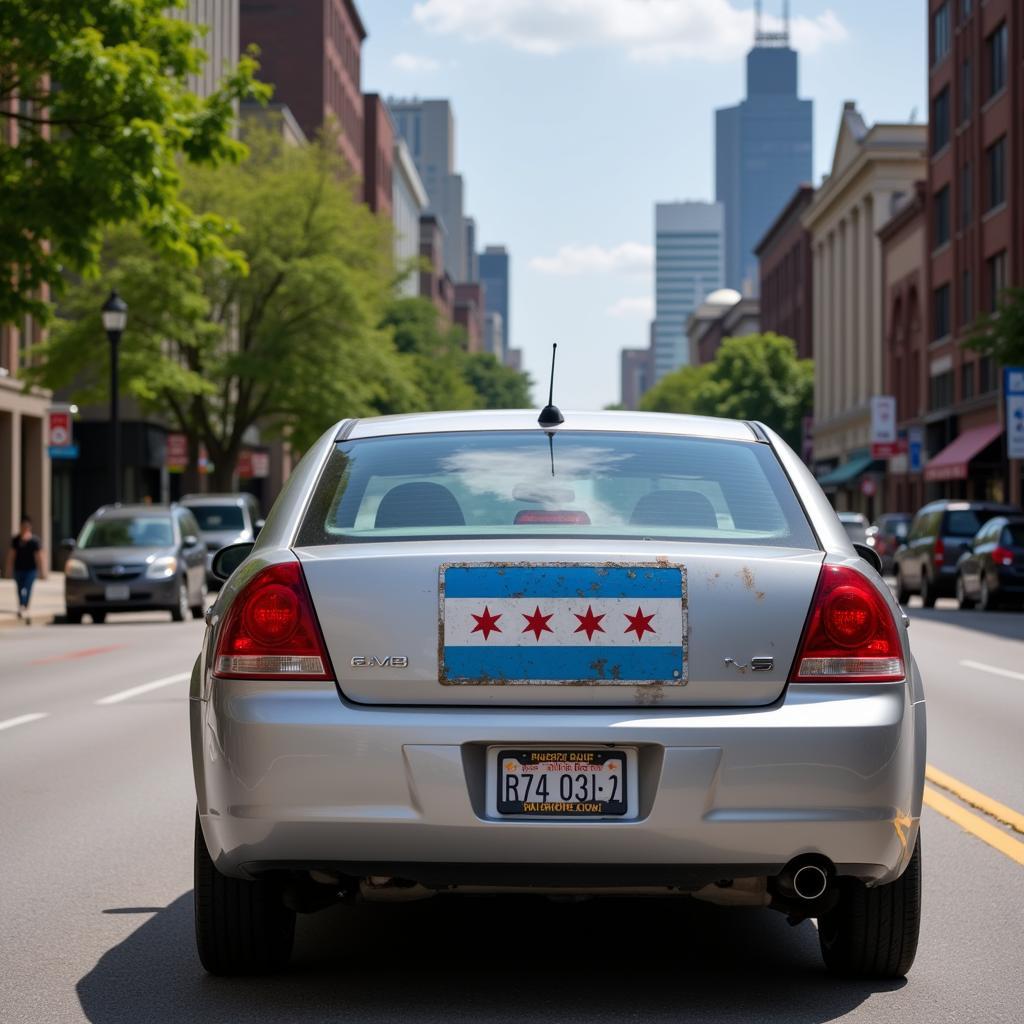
<point x="747" y="577"/>
<point x="652" y="693"/>
<point x="631" y="574"/>
<point x="663" y="562"/>
<point x="713" y="578"/>
<point x="599" y="666"/>
<point x="616" y="672"/>
<point x="759" y="595"/>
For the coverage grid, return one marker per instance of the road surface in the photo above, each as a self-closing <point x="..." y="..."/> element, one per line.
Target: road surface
<point x="96" y="814"/>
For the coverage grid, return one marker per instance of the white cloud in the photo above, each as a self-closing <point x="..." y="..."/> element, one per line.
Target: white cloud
<point x="595" y="259"/>
<point x="414" y="63"/>
<point x="649" y="30"/>
<point x="640" y="306"/>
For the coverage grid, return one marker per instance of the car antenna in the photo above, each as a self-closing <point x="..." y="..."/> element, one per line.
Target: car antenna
<point x="551" y="415"/>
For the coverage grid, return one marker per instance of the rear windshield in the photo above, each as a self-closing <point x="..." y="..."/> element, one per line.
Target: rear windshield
<point x="1014" y="535"/>
<point x="125" y="532"/>
<point x="857" y="532"/>
<point x="217" y="517"/>
<point x="966" y="522"/>
<point x="896" y="527"/>
<point x="575" y="484"/>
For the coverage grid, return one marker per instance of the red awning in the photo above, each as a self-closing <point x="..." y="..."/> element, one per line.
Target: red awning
<point x="953" y="461"/>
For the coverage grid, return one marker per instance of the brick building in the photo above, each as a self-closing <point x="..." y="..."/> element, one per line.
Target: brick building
<point x="435" y="284"/>
<point x="311" y="52"/>
<point x="785" y="266"/>
<point x="378" y="154"/>
<point x="975" y="233"/>
<point x="468" y="312"/>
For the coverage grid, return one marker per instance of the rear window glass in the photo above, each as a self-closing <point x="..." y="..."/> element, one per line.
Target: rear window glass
<point x="218" y="517"/>
<point x="857" y="532"/>
<point x="1014" y="535"/>
<point x="575" y="484"/>
<point x="965" y="522"/>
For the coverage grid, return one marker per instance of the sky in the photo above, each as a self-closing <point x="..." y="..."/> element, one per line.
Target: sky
<point x="574" y="117"/>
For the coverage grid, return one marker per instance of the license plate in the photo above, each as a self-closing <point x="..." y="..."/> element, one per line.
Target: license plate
<point x="117" y="592"/>
<point x="562" y="783"/>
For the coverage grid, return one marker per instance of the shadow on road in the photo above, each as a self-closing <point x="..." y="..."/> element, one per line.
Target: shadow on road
<point x="1009" y="625"/>
<point x="488" y="960"/>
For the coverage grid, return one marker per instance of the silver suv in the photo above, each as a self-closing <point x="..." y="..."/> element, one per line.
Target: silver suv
<point x="224" y="519"/>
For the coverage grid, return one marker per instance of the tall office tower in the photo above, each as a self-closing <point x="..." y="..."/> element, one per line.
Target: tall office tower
<point x="428" y="128"/>
<point x="494" y="268"/>
<point x="472" y="260"/>
<point x="763" y="151"/>
<point x="689" y="262"/>
<point x="219" y="18"/>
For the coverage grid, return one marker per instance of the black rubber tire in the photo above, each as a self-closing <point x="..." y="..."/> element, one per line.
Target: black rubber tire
<point x="179" y="610"/>
<point x="73" y="618"/>
<point x="902" y="593"/>
<point x="928" y="594"/>
<point x="197" y="611"/>
<point x="966" y="603"/>
<point x="873" y="933"/>
<point x="242" y="927"/>
<point x="98" y="617"/>
<point x="987" y="601"/>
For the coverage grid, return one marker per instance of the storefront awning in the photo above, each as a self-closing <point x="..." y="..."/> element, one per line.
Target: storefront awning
<point x="953" y="461"/>
<point x="847" y="472"/>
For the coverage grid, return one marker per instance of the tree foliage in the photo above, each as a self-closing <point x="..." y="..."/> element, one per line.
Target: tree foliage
<point x="105" y="121"/>
<point x="1001" y="334"/>
<point x="291" y="340"/>
<point x="756" y="377"/>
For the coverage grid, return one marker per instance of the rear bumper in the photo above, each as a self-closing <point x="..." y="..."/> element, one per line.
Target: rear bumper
<point x="143" y="595"/>
<point x="292" y="776"/>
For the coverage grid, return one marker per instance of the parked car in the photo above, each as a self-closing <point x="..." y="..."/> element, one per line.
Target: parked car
<point x="939" y="534"/>
<point x="136" y="558"/>
<point x="224" y="519"/>
<point x="856" y="526"/>
<point x="888" y="532"/>
<point x="469" y="654"/>
<point x="991" y="571"/>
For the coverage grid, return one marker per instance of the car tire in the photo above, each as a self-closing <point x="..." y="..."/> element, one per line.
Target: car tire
<point x="928" y="595"/>
<point x="965" y="602"/>
<point x="98" y="617"/>
<point x="179" y="612"/>
<point x="902" y="592"/>
<point x="199" y="610"/>
<point x="873" y="933"/>
<point x="242" y="927"/>
<point x="73" y="618"/>
<point x="987" y="601"/>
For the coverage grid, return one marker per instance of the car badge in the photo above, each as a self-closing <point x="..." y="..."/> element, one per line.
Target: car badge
<point x="388" y="661"/>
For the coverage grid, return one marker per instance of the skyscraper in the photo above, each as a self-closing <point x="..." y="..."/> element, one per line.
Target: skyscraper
<point x="428" y="128"/>
<point x="494" y="266"/>
<point x="763" y="151"/>
<point x="689" y="262"/>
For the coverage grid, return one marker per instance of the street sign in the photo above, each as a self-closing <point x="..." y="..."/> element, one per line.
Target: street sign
<point x="1013" y="388"/>
<point x="253" y="465"/>
<point x="915" y="449"/>
<point x="868" y="487"/>
<point x="58" y="428"/>
<point x="884" y="442"/>
<point x="64" y="451"/>
<point x="176" y="453"/>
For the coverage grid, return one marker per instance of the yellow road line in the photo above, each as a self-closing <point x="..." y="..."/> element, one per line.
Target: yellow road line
<point x="969" y="795"/>
<point x="977" y="826"/>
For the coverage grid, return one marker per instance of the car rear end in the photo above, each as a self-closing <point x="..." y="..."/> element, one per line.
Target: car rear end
<point x="959" y="524"/>
<point x="1008" y="562"/>
<point x="590" y="660"/>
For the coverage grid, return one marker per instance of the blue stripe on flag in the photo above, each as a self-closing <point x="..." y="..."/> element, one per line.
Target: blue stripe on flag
<point x="562" y="581"/>
<point x="611" y="664"/>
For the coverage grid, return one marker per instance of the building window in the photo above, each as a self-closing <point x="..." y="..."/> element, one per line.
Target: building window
<point x="966" y="6"/>
<point x="966" y="91"/>
<point x="986" y="378"/>
<point x="941" y="312"/>
<point x="996" y="48"/>
<point x="940" y="120"/>
<point x="940" y="33"/>
<point x="940" y="390"/>
<point x="967" y="381"/>
<point x="995" y="173"/>
<point x="966" y="298"/>
<point x="942" y="216"/>
<point x="995" y="272"/>
<point x="966" y="195"/>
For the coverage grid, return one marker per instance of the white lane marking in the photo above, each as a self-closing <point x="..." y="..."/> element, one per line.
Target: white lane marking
<point x="136" y="691"/>
<point x="10" y="723"/>
<point x="993" y="669"/>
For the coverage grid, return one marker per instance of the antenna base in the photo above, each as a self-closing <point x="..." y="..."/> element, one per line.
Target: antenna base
<point x="550" y="416"/>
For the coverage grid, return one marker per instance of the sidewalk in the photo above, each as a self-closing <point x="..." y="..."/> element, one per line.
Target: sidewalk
<point x="47" y="601"/>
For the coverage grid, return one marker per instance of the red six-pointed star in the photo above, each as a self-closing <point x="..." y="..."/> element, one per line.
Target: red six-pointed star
<point x="486" y="623"/>
<point x="537" y="623"/>
<point x="589" y="623"/>
<point x="639" y="624"/>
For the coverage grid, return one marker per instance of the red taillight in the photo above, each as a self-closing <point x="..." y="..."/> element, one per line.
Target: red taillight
<point x="543" y="515"/>
<point x="271" y="631"/>
<point x="850" y="635"/>
<point x="1002" y="556"/>
<point x="940" y="552"/>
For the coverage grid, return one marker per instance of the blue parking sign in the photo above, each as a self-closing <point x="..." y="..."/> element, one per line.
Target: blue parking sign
<point x="1013" y="388"/>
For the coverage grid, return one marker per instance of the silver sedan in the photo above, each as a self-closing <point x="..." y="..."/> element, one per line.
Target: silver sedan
<point x="630" y="654"/>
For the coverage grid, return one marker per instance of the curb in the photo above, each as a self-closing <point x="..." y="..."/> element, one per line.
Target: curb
<point x="34" y="619"/>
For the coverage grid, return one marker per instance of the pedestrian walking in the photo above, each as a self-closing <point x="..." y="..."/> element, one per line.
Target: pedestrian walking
<point x="25" y="563"/>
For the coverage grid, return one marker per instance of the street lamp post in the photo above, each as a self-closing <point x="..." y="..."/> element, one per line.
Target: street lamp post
<point x="115" y="315"/>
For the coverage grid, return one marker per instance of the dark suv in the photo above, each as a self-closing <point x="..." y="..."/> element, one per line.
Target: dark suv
<point x="938" y="536"/>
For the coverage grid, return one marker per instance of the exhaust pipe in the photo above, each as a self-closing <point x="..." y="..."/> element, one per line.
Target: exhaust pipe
<point x="810" y="882"/>
<point x="804" y="881"/>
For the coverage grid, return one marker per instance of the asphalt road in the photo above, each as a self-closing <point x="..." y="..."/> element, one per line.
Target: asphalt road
<point x="96" y="813"/>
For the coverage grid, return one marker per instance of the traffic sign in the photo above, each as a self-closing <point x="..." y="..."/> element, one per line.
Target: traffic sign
<point x="1013" y="388"/>
<point x="884" y="441"/>
<point x="58" y="428"/>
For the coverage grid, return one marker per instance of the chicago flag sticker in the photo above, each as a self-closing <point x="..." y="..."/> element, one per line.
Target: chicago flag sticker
<point x="549" y="624"/>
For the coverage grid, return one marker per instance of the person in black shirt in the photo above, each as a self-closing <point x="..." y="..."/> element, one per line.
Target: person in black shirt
<point x="25" y="562"/>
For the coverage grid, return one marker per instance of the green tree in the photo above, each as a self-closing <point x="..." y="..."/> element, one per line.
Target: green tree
<point x="675" y="392"/>
<point x="105" y="122"/>
<point x="291" y="341"/>
<point x="1001" y="334"/>
<point x="497" y="386"/>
